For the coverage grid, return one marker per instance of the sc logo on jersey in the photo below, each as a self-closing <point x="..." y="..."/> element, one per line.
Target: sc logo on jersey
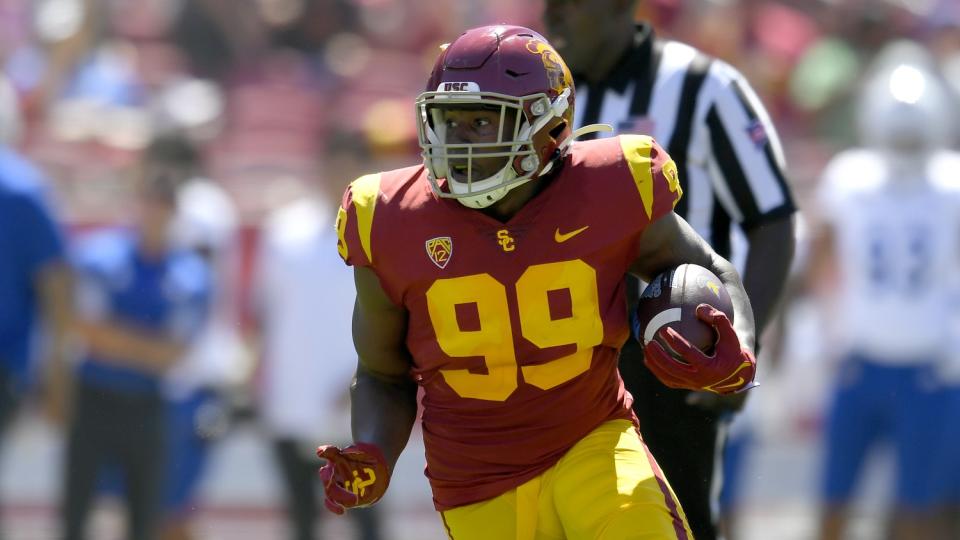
<point x="505" y="240"/>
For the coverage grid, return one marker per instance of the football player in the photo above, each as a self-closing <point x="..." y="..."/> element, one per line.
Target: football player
<point x="889" y="218"/>
<point x="141" y="303"/>
<point x="35" y="281"/>
<point x="491" y="276"/>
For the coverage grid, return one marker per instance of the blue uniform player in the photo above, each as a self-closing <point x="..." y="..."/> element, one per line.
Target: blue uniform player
<point x="34" y="281"/>
<point x="140" y="304"/>
<point x="890" y="214"/>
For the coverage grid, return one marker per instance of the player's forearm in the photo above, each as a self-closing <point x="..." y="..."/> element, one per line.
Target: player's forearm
<point x="743" y="319"/>
<point x="768" y="263"/>
<point x="383" y="411"/>
<point x="55" y="289"/>
<point x="114" y="343"/>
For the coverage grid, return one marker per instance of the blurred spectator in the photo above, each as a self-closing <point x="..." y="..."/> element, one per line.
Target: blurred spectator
<point x="213" y="35"/>
<point x="34" y="279"/>
<point x="303" y="294"/>
<point x="197" y="386"/>
<point x="140" y="304"/>
<point x="889" y="221"/>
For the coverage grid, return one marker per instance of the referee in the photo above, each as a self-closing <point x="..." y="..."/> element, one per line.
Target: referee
<point x="730" y="165"/>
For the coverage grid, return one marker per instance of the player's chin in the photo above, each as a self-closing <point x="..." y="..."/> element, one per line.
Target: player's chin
<point x="457" y="175"/>
<point x="461" y="175"/>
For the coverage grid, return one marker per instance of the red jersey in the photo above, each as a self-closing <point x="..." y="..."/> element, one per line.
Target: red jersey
<point x="515" y="327"/>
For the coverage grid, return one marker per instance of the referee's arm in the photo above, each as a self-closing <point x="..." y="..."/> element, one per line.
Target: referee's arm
<point x="748" y="161"/>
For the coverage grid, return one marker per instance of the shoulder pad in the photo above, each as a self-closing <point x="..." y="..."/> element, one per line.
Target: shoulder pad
<point x="355" y="220"/>
<point x="653" y="173"/>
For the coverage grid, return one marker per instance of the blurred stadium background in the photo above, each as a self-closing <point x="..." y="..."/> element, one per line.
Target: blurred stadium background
<point x="287" y="97"/>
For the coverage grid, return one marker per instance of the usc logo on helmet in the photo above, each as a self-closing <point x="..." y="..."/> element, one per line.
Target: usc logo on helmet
<point x="557" y="72"/>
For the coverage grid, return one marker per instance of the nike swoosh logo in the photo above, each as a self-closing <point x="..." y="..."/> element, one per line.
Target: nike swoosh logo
<point x="734" y="385"/>
<point x="740" y="380"/>
<point x="563" y="237"/>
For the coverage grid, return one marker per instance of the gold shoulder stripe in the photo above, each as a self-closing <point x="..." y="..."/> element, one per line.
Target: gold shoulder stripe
<point x="365" y="190"/>
<point x="636" y="150"/>
<point x="342" y="248"/>
<point x="669" y="169"/>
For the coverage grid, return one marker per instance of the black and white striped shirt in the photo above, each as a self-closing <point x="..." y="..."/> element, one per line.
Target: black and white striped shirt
<point x="710" y="121"/>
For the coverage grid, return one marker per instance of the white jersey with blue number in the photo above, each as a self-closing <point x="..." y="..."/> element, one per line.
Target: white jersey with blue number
<point x="898" y="246"/>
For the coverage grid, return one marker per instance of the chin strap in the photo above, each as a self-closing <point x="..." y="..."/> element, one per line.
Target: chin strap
<point x="580" y="132"/>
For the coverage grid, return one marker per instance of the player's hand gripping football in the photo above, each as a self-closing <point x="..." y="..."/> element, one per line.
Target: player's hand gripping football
<point x="354" y="476"/>
<point x="730" y="368"/>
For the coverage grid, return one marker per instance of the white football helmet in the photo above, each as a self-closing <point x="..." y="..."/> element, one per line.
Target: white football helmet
<point x="905" y="107"/>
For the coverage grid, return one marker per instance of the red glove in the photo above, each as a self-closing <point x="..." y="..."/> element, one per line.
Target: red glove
<point x="354" y="477"/>
<point x="729" y="369"/>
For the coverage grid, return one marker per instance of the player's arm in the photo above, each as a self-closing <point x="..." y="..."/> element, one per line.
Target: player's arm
<point x="383" y="396"/>
<point x="103" y="335"/>
<point x="768" y="263"/>
<point x="821" y="269"/>
<point x="116" y="343"/>
<point x="112" y="339"/>
<point x="670" y="241"/>
<point x="52" y="280"/>
<point x="832" y="198"/>
<point x="748" y="157"/>
<point x="383" y="401"/>
<point x="730" y="367"/>
<point x="54" y="284"/>
<point x="765" y="277"/>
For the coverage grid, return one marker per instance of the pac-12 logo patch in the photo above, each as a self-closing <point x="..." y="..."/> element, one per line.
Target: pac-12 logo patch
<point x="440" y="249"/>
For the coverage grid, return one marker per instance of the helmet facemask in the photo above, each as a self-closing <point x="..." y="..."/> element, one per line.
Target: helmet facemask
<point x="479" y="174"/>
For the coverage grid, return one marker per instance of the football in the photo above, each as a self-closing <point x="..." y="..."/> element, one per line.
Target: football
<point x="671" y="299"/>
